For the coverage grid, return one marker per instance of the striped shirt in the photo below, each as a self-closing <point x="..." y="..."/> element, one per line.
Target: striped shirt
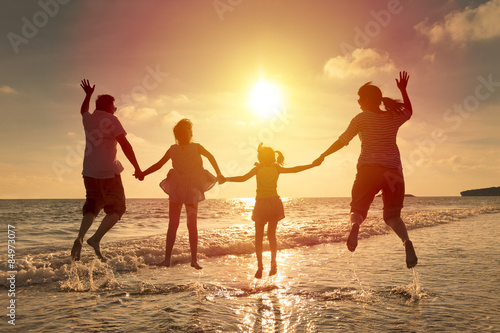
<point x="377" y="132"/>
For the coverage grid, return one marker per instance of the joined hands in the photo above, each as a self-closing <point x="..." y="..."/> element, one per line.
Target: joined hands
<point x="221" y="179"/>
<point x="139" y="175"/>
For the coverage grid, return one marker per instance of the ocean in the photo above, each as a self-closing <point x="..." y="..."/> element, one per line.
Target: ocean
<point x="320" y="285"/>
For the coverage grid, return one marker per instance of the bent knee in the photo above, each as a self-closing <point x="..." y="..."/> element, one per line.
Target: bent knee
<point x="357" y="218"/>
<point x="393" y="221"/>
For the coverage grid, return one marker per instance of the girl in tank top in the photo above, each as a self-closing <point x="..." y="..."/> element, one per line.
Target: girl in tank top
<point x="268" y="207"/>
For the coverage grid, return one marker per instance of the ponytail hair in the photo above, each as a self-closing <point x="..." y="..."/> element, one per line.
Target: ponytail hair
<point x="393" y="105"/>
<point x="281" y="159"/>
<point x="267" y="155"/>
<point x="373" y="93"/>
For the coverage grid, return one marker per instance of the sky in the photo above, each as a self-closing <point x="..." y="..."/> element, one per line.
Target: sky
<point x="203" y="60"/>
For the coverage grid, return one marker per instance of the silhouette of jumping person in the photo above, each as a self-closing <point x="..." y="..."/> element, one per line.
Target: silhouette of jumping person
<point x="101" y="169"/>
<point x="185" y="184"/>
<point x="379" y="164"/>
<point x="268" y="207"/>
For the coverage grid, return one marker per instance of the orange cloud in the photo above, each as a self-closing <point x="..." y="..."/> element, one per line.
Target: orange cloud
<point x="8" y="90"/>
<point x="361" y="62"/>
<point x="471" y="24"/>
<point x="137" y="114"/>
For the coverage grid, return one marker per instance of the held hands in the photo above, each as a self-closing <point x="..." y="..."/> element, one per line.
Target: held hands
<point x="139" y="175"/>
<point x="221" y="179"/>
<point x="85" y="84"/>
<point x="403" y="80"/>
<point x="318" y="161"/>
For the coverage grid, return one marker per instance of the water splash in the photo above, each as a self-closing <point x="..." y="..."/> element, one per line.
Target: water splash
<point x="413" y="291"/>
<point x="364" y="294"/>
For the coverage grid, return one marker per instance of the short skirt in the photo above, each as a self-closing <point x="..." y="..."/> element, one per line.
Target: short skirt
<point x="187" y="189"/>
<point x="268" y="210"/>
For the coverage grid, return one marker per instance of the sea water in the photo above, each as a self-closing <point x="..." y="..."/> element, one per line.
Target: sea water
<point x="320" y="285"/>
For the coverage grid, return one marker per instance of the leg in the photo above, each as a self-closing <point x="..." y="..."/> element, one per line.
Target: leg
<point x="93" y="205"/>
<point x="397" y="224"/>
<point x="259" y="237"/>
<point x="174" y="213"/>
<point x="87" y="221"/>
<point x="192" y="214"/>
<point x="107" y="223"/>
<point x="367" y="184"/>
<point x="352" y="240"/>
<point x="393" y="196"/>
<point x="112" y="197"/>
<point x="273" y="244"/>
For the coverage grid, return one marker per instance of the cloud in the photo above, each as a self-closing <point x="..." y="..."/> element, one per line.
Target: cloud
<point x="172" y="118"/>
<point x="135" y="139"/>
<point x="8" y="90"/>
<point x="471" y="24"/>
<point x="137" y="114"/>
<point x="172" y="101"/>
<point x="361" y="62"/>
<point x="430" y="58"/>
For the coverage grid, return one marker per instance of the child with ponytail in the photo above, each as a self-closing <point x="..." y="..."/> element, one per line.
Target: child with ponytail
<point x="268" y="207"/>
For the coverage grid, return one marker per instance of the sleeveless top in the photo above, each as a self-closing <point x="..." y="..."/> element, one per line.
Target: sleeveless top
<point x="267" y="181"/>
<point x="187" y="181"/>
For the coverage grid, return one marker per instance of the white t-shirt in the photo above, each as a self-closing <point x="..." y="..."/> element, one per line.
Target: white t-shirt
<point x="101" y="129"/>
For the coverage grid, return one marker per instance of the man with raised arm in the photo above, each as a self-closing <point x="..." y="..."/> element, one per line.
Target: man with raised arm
<point x="101" y="169"/>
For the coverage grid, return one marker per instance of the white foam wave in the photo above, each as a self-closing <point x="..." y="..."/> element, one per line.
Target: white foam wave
<point x="130" y="256"/>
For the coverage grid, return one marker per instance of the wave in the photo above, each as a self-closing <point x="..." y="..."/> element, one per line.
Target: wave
<point x="55" y="266"/>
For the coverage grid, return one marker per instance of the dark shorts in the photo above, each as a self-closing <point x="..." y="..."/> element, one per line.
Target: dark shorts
<point x="268" y="210"/>
<point x="104" y="193"/>
<point x="370" y="179"/>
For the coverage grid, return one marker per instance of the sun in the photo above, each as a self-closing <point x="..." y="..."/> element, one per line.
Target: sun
<point x="266" y="99"/>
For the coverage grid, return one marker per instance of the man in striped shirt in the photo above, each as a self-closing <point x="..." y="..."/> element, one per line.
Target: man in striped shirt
<point x="379" y="164"/>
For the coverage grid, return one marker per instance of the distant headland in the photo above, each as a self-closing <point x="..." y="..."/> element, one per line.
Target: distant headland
<point x="490" y="191"/>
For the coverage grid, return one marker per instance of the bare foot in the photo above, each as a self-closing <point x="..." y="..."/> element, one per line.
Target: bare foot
<point x="411" y="257"/>
<point x="273" y="270"/>
<point x="352" y="240"/>
<point x="258" y="274"/>
<point x="76" y="250"/>
<point x="97" y="248"/>
<point x="165" y="263"/>
<point x="196" y="266"/>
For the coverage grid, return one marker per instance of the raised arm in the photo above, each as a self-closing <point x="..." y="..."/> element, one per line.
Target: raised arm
<point x="128" y="151"/>
<point x="157" y="166"/>
<point x="210" y="158"/>
<point x="402" y="83"/>
<point x="85" y="84"/>
<point x="245" y="177"/>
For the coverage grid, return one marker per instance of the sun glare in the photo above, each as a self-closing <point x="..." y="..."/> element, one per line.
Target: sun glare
<point x="266" y="99"/>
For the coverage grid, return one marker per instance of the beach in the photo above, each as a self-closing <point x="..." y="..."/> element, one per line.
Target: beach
<point x="320" y="285"/>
